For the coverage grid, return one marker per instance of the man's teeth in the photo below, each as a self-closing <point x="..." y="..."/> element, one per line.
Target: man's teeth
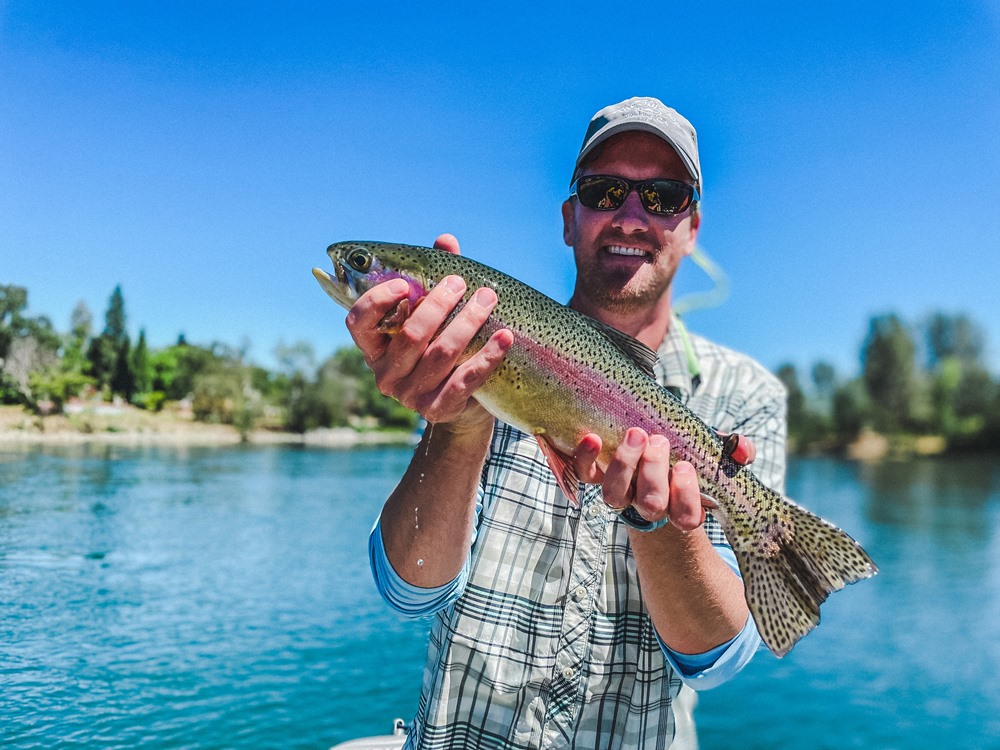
<point x="619" y="250"/>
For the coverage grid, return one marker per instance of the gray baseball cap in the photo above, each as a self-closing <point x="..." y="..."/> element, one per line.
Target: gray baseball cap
<point x="652" y="116"/>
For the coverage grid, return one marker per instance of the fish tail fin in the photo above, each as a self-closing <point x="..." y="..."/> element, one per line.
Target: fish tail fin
<point x="790" y="565"/>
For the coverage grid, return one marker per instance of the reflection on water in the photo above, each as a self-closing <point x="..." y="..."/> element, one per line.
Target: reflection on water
<point x="946" y="498"/>
<point x="208" y="598"/>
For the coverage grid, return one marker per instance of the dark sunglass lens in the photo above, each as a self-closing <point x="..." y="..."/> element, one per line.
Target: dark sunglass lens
<point x="666" y="196"/>
<point x="601" y="193"/>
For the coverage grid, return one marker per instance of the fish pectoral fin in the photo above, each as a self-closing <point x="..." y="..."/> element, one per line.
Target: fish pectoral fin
<point x="562" y="466"/>
<point x="392" y="321"/>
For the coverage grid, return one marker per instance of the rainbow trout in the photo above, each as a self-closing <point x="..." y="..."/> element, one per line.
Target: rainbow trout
<point x="567" y="375"/>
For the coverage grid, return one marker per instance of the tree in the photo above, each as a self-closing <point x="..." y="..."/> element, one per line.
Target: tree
<point x="100" y="360"/>
<point x="141" y="371"/>
<point x="56" y="385"/>
<point x="175" y="369"/>
<point x="350" y="363"/>
<point x="68" y="378"/>
<point x="961" y="387"/>
<point x="976" y="391"/>
<point x="13" y="302"/>
<point x="122" y="378"/>
<point x="27" y="345"/>
<point x="114" y="318"/>
<point x="295" y="358"/>
<point x="824" y="378"/>
<point x="108" y="353"/>
<point x="27" y="355"/>
<point x="953" y="336"/>
<point x="223" y="394"/>
<point x="807" y="426"/>
<point x="851" y="410"/>
<point x="75" y="343"/>
<point x="888" y="372"/>
<point x="789" y="377"/>
<point x="325" y="401"/>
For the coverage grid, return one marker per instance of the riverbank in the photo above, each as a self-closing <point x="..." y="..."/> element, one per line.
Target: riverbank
<point x="122" y="424"/>
<point x="127" y="425"/>
<point x="873" y="446"/>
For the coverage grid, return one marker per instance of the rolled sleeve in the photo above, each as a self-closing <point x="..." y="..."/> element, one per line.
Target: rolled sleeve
<point x="405" y="598"/>
<point x="722" y="663"/>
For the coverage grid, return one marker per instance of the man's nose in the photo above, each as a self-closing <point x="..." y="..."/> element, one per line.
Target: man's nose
<point x="631" y="216"/>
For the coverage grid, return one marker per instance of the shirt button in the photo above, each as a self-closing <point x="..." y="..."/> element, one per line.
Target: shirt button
<point x="568" y="673"/>
<point x="580" y="593"/>
<point x="593" y="510"/>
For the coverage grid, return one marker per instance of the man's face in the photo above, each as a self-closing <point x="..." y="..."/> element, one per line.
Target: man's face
<point x="626" y="259"/>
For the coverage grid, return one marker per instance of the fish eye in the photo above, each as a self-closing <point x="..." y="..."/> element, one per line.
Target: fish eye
<point x="360" y="260"/>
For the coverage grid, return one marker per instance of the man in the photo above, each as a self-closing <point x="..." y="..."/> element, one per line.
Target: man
<point x="557" y="625"/>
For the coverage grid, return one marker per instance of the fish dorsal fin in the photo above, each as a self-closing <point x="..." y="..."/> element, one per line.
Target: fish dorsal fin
<point x="634" y="349"/>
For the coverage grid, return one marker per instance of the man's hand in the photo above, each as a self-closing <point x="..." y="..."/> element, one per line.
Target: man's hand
<point x="640" y="475"/>
<point x="419" y="366"/>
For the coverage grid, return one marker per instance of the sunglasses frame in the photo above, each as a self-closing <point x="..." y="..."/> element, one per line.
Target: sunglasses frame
<point x="692" y="192"/>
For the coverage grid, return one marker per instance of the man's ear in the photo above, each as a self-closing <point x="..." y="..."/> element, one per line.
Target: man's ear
<point x="569" y="222"/>
<point x="695" y="223"/>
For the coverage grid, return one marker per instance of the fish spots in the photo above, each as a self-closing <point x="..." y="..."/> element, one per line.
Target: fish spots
<point x="509" y="375"/>
<point x="774" y="534"/>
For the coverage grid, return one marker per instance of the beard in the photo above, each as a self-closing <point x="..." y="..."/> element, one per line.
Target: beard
<point x="622" y="287"/>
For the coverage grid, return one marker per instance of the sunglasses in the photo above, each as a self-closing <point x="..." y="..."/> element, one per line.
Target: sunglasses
<point x="605" y="193"/>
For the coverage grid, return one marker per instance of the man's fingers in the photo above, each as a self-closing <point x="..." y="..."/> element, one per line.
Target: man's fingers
<point x="454" y="393"/>
<point x="444" y="351"/>
<point x="364" y="316"/>
<point x="585" y="459"/>
<point x="434" y="374"/>
<point x="425" y="321"/>
<point x="621" y="471"/>
<point x="448" y="243"/>
<point x="686" y="511"/>
<point x="408" y="346"/>
<point x="652" y="486"/>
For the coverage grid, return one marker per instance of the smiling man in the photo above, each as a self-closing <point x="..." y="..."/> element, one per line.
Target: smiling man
<point x="556" y="625"/>
<point x="627" y="242"/>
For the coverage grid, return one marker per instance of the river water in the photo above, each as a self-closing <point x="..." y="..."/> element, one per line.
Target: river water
<point x="220" y="598"/>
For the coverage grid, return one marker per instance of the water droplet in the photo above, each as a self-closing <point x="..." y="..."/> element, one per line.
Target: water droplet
<point x="427" y="442"/>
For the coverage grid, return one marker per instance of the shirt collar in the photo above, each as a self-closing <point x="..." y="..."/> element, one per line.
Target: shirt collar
<point x="672" y="369"/>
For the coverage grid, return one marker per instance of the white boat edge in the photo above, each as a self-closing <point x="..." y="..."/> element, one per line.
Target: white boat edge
<point x="392" y="741"/>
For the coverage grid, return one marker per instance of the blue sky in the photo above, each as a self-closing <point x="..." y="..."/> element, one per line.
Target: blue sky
<point x="203" y="155"/>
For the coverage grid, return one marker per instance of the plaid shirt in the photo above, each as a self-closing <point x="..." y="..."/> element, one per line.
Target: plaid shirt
<point x="549" y="644"/>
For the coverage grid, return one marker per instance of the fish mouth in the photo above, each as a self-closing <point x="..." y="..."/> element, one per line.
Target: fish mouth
<point x="339" y="288"/>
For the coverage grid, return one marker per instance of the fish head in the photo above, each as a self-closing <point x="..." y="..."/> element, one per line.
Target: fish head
<point x="359" y="266"/>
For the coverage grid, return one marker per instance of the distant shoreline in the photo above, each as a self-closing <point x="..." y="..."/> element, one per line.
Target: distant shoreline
<point x="133" y="427"/>
<point x="129" y="426"/>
